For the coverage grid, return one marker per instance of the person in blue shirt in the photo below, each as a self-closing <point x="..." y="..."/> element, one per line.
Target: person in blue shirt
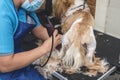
<point x="17" y="18"/>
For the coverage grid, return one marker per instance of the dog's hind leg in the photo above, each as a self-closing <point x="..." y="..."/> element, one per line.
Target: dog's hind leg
<point x="91" y="46"/>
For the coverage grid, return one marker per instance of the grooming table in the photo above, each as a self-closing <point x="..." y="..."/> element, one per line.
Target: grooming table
<point x="58" y="76"/>
<point x="107" y="47"/>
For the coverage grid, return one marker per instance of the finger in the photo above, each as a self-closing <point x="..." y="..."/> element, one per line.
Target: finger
<point x="55" y="33"/>
<point x="59" y="41"/>
<point x="59" y="36"/>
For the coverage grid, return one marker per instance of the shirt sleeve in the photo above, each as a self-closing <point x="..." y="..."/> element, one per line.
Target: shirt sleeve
<point x="22" y="16"/>
<point x="6" y="37"/>
<point x="33" y="14"/>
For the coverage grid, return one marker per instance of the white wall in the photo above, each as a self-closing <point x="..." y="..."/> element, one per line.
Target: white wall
<point x="107" y="17"/>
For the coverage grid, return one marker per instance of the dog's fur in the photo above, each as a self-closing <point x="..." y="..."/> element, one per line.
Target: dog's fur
<point x="78" y="43"/>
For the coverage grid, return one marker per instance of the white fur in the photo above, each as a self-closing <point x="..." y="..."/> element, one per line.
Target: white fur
<point x="91" y="46"/>
<point x="73" y="53"/>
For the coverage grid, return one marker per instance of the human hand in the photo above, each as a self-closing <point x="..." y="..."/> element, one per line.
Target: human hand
<point x="48" y="43"/>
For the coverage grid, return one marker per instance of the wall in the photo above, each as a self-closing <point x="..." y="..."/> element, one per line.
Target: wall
<point x="107" y="17"/>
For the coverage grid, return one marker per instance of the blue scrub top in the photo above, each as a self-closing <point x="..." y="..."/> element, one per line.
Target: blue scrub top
<point x="9" y="24"/>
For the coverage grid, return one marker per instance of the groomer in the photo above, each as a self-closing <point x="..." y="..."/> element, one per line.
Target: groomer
<point x="17" y="18"/>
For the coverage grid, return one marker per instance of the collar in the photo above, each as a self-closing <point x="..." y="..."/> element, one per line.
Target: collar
<point x="75" y="8"/>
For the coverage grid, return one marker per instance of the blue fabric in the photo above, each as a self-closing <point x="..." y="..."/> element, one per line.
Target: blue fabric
<point x="27" y="73"/>
<point x="32" y="6"/>
<point x="8" y="24"/>
<point x="34" y="16"/>
<point x="22" y="30"/>
<point x="22" y="17"/>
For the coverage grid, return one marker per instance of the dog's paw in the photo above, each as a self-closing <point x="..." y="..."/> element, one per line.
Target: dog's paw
<point x="89" y="59"/>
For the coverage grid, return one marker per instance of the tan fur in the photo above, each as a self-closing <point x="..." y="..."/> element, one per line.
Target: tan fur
<point x="87" y="21"/>
<point x="92" y="6"/>
<point x="96" y="67"/>
<point x="60" y="7"/>
<point x="80" y="28"/>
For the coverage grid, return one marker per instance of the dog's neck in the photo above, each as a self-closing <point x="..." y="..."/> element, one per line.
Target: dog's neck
<point x="78" y="4"/>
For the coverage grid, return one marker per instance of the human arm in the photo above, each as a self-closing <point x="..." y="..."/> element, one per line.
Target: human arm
<point x="19" y="60"/>
<point x="16" y="61"/>
<point x="40" y="32"/>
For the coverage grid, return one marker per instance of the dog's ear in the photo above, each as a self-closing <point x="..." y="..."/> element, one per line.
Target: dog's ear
<point x="68" y="2"/>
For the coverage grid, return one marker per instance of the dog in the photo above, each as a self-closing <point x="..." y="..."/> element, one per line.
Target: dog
<point x="78" y="42"/>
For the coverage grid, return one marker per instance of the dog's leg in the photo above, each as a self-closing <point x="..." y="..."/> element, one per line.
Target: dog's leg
<point x="63" y="51"/>
<point x="91" y="46"/>
<point x="73" y="60"/>
<point x="69" y="58"/>
<point x="65" y="45"/>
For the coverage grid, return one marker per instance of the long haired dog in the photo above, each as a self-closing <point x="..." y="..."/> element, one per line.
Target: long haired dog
<point x="78" y="43"/>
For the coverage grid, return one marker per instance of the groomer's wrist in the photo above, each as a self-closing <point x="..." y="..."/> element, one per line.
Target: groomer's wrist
<point x="44" y="49"/>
